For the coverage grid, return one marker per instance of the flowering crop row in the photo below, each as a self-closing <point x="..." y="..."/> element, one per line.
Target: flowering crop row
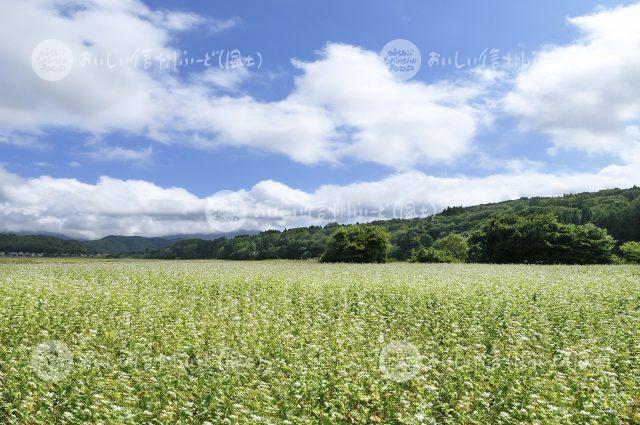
<point x="304" y="343"/>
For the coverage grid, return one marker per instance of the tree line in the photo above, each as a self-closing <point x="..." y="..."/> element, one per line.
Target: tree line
<point x="586" y="228"/>
<point x="48" y="245"/>
<point x="578" y="228"/>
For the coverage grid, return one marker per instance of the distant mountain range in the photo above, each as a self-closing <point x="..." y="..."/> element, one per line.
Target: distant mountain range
<point x="124" y="244"/>
<point x="56" y="244"/>
<point x="41" y="244"/>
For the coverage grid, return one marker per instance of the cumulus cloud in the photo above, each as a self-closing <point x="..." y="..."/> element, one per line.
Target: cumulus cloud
<point x="91" y="98"/>
<point x="380" y="119"/>
<point x="586" y="95"/>
<point x="134" y="207"/>
<point x="346" y="104"/>
<point x="343" y="105"/>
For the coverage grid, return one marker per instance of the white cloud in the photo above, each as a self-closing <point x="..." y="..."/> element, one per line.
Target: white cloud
<point x="520" y="165"/>
<point x="399" y="124"/>
<point x="90" y="98"/>
<point x="346" y="104"/>
<point x="109" y="206"/>
<point x="27" y="141"/>
<point x="586" y="95"/>
<point x="118" y="153"/>
<point x="177" y="21"/>
<point x="225" y="79"/>
<point x="219" y="25"/>
<point x="133" y="207"/>
<point x="343" y="105"/>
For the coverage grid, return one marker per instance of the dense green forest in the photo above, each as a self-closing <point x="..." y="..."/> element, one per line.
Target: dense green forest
<point x="539" y="239"/>
<point x="48" y="245"/>
<point x="616" y="210"/>
<point x="432" y="238"/>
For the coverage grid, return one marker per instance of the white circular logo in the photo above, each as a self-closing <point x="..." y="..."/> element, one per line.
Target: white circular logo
<point x="402" y="57"/>
<point x="226" y="211"/>
<point x="52" y="360"/>
<point x="400" y="361"/>
<point x="52" y="60"/>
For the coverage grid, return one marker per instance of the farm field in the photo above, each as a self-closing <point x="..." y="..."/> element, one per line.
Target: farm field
<point x="285" y="342"/>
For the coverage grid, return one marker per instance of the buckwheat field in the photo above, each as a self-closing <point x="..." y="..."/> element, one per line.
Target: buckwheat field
<point x="306" y="343"/>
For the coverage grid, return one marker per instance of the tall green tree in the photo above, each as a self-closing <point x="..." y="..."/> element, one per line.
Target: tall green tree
<point x="631" y="252"/>
<point x="408" y="239"/>
<point x="358" y="244"/>
<point x="539" y="239"/>
<point x="244" y="249"/>
<point x="454" y="244"/>
<point x="432" y="255"/>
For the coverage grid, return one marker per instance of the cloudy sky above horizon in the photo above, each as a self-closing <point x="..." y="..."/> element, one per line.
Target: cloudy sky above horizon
<point x="284" y="113"/>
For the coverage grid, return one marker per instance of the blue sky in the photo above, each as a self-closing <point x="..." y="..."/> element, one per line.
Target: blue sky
<point x="486" y="128"/>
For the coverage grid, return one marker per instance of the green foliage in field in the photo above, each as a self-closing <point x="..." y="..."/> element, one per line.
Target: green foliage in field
<point x="631" y="252"/>
<point x="308" y="343"/>
<point x="455" y="245"/>
<point x="357" y="244"/>
<point x="406" y="240"/>
<point x="540" y="239"/>
<point x="432" y="255"/>
<point x="292" y="244"/>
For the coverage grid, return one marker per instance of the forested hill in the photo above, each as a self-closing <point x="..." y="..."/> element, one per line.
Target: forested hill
<point x="55" y="246"/>
<point x="125" y="244"/>
<point x="41" y="244"/>
<point x="616" y="210"/>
